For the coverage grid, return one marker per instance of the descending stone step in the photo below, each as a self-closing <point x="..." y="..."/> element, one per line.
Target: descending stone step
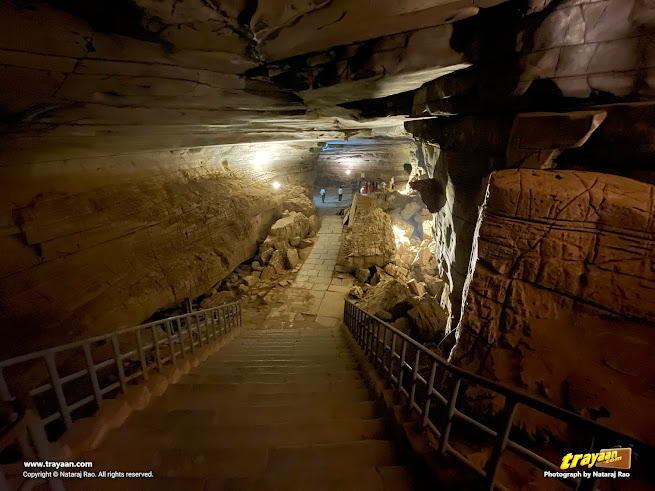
<point x="177" y="398"/>
<point x="197" y="383"/>
<point x="313" y="412"/>
<point x="248" y="436"/>
<point x="220" y="375"/>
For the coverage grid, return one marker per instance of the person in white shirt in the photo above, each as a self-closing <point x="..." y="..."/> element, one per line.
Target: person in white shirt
<point x="323" y="195"/>
<point x="340" y="193"/>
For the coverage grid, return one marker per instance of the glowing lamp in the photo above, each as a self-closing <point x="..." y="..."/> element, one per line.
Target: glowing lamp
<point x="276" y="185"/>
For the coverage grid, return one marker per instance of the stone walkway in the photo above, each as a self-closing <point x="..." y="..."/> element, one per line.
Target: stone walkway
<point x="317" y="291"/>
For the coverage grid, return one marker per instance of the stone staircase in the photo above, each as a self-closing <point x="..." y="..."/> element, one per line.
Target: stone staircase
<point x="276" y="409"/>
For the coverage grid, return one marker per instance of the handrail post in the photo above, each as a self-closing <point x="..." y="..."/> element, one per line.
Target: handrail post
<point x="392" y="355"/>
<point x="501" y="440"/>
<point x="142" y="356"/>
<point x="213" y="324"/>
<point x="428" y="399"/>
<point x="171" y="346"/>
<point x="188" y="328"/>
<point x="119" y="362"/>
<point x="401" y="369"/>
<point x="181" y="337"/>
<point x="92" y="374"/>
<point x="155" y="341"/>
<point x="197" y="318"/>
<point x="412" y="393"/>
<point x="59" y="391"/>
<point x="448" y="417"/>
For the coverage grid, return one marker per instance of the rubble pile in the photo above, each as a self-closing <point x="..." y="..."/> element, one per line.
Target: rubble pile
<point x="280" y="255"/>
<point x="406" y="290"/>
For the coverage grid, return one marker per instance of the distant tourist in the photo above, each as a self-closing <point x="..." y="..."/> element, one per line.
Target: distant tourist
<point x="340" y="194"/>
<point x="323" y="195"/>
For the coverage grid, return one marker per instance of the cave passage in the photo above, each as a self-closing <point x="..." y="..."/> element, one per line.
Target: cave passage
<point x="177" y="297"/>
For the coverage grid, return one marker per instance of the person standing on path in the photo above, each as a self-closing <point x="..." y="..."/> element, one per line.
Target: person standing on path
<point x="340" y="193"/>
<point x="323" y="195"/>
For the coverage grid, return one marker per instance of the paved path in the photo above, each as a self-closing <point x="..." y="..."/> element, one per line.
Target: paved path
<point x="316" y="273"/>
<point x="317" y="291"/>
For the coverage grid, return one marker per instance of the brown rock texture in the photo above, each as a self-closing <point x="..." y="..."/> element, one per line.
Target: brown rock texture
<point x="368" y="238"/>
<point x="561" y="298"/>
<point x="96" y="244"/>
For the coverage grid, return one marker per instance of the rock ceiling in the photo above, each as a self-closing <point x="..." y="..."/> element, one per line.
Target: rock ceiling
<point x="137" y="75"/>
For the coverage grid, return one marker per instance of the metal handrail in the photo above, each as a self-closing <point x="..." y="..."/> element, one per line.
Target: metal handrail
<point x="366" y="328"/>
<point x="202" y="327"/>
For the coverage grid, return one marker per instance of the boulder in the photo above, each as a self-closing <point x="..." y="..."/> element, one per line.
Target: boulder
<point x="277" y="262"/>
<point x="314" y="223"/>
<point x="256" y="266"/>
<point x="368" y="238"/>
<point x="292" y="258"/>
<point x="416" y="288"/>
<point x="356" y="291"/>
<point x="362" y="274"/>
<point x="268" y="273"/>
<point x="410" y="210"/>
<point x="403" y="325"/>
<point x="435" y="287"/>
<point x="384" y="315"/>
<point x="265" y="255"/>
<point x="250" y="280"/>
<point x="430" y="319"/>
<point x="300" y="204"/>
<point x="389" y="295"/>
<point x="243" y="289"/>
<point x="295" y="242"/>
<point x="379" y="275"/>
<point x="295" y="224"/>
<point x="305" y="243"/>
<point x="218" y="298"/>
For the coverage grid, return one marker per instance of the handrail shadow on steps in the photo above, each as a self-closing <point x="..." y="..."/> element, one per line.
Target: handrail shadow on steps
<point x="127" y="355"/>
<point x="379" y="341"/>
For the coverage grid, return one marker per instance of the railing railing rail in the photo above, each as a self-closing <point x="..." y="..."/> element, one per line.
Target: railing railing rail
<point x="373" y="334"/>
<point x="153" y="345"/>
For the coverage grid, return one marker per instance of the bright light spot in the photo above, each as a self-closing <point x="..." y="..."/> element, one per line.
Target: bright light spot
<point x="276" y="185"/>
<point x="348" y="171"/>
<point x="262" y="157"/>
<point x="400" y="236"/>
<point x="405" y="191"/>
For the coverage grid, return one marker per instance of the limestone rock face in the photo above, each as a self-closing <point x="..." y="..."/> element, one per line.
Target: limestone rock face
<point x="218" y="298"/>
<point x="410" y="210"/>
<point x="292" y="258"/>
<point x="368" y="238"/>
<point x="356" y="291"/>
<point x="314" y="223"/>
<point x="389" y="295"/>
<point x="301" y="204"/>
<point x="430" y="319"/>
<point x="278" y="262"/>
<point x="295" y="224"/>
<point x="104" y="242"/>
<point x="362" y="274"/>
<point x="561" y="293"/>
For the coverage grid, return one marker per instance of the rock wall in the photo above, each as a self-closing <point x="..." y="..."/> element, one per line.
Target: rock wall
<point x="561" y="300"/>
<point x="94" y="244"/>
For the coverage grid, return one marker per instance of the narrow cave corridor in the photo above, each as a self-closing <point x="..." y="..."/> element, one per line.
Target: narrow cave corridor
<point x="342" y="245"/>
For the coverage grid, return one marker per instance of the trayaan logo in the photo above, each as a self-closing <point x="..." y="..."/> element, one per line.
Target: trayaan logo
<point x="611" y="463"/>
